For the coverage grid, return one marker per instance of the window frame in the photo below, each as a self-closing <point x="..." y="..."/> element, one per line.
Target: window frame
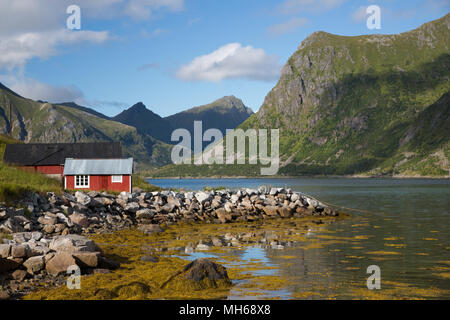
<point x="116" y="176"/>
<point x="83" y="185"/>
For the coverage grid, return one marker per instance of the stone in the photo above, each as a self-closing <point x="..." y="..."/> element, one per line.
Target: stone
<point x="202" y="196"/>
<point x="79" y="219"/>
<point x="203" y="268"/>
<point x="49" y="229"/>
<point x="87" y="259"/>
<point x="19" y="275"/>
<point x="5" y="250"/>
<point x="151" y="228"/>
<point x="145" y="214"/>
<point x="82" y="198"/>
<point x="19" y="251"/>
<point x="10" y="226"/>
<point x="202" y="247"/>
<point x="132" y="207"/>
<point x="47" y="220"/>
<point x="34" y="264"/>
<point x="72" y="243"/>
<point x="216" y="242"/>
<point x="223" y="215"/>
<point x="59" y="263"/>
<point x="285" y="212"/>
<point x="271" y="210"/>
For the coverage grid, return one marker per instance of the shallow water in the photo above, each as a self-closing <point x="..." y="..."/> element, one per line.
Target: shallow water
<point x="400" y="225"/>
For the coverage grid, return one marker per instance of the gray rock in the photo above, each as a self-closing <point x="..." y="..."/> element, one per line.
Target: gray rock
<point x="145" y="214"/>
<point x="202" y="196"/>
<point x="72" y="243"/>
<point x="5" y="250"/>
<point x="82" y="198"/>
<point x="132" y="207"/>
<point x="34" y="264"/>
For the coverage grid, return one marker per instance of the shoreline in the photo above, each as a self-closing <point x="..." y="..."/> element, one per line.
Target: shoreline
<point x="400" y="177"/>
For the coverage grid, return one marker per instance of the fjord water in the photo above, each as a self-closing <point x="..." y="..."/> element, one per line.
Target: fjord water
<point x="400" y="225"/>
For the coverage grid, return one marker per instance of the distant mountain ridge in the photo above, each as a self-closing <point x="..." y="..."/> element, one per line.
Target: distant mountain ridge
<point x="145" y="121"/>
<point x="225" y="113"/>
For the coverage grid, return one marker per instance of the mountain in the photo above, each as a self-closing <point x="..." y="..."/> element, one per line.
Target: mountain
<point x="44" y="122"/>
<point x="146" y="122"/>
<point x="371" y="105"/>
<point x="350" y="105"/>
<point x="85" y="109"/>
<point x="225" y="113"/>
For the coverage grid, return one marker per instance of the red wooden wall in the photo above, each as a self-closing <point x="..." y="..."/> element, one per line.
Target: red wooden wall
<point x="58" y="169"/>
<point x="101" y="183"/>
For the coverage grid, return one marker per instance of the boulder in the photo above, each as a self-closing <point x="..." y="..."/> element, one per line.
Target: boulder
<point x="59" y="263"/>
<point x="34" y="264"/>
<point x="285" y="212"/>
<point x="271" y="210"/>
<point x="79" y="219"/>
<point x="132" y="207"/>
<point x="82" y="198"/>
<point x="19" y="251"/>
<point x="5" y="250"/>
<point x="19" y="275"/>
<point x="72" y="243"/>
<point x="223" y="215"/>
<point x="202" y="196"/>
<point x="203" y="268"/>
<point x="145" y="214"/>
<point x="87" y="259"/>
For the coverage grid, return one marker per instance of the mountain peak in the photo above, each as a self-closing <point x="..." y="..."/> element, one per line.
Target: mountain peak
<point x="138" y="107"/>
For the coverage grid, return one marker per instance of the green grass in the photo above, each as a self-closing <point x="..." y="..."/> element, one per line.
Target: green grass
<point x="140" y="182"/>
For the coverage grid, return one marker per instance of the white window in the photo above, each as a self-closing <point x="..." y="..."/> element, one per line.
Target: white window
<point x="116" y="179"/>
<point x="81" y="181"/>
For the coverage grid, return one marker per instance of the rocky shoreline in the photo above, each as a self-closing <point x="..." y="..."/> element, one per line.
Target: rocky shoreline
<point x="45" y="234"/>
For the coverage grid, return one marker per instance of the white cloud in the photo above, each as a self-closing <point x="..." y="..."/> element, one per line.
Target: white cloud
<point x="17" y="50"/>
<point x="360" y="14"/>
<point x="286" y="27"/>
<point x="232" y="61"/>
<point x="295" y="6"/>
<point x="143" y="9"/>
<point x="33" y="89"/>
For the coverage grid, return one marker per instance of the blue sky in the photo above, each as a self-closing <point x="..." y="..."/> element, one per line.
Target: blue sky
<point x="174" y="54"/>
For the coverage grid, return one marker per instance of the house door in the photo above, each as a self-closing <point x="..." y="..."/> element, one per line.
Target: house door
<point x="104" y="183"/>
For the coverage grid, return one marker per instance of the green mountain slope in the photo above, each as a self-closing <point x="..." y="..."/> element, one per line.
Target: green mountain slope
<point x="44" y="122"/>
<point x="362" y="105"/>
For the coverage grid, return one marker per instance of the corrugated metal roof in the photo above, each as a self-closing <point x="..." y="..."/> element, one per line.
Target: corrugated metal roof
<point x="98" y="166"/>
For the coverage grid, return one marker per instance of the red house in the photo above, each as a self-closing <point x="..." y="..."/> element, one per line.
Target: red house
<point x="49" y="158"/>
<point x="98" y="174"/>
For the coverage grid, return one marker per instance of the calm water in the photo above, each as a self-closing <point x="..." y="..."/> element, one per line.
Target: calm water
<point x="402" y="227"/>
